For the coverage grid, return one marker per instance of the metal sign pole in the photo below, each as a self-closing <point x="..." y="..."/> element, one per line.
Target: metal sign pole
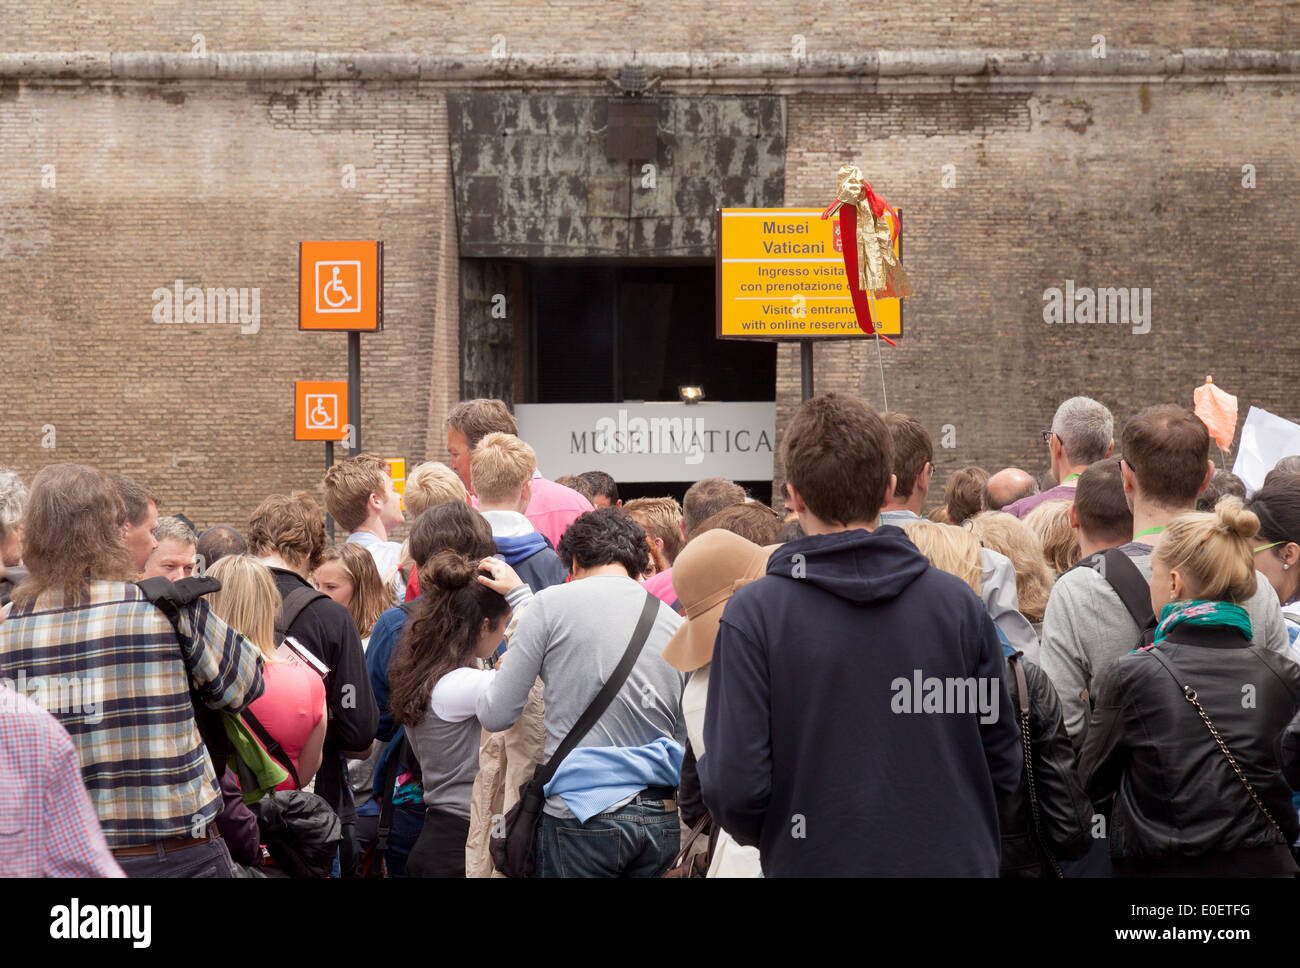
<point x="354" y="390"/>
<point x="329" y="462"/>
<point x="806" y="365"/>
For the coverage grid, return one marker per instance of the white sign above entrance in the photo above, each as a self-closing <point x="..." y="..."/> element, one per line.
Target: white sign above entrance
<point x="652" y="441"/>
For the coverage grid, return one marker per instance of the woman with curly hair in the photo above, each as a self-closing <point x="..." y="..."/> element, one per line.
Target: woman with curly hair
<point x="1010" y="536"/>
<point x="1050" y="521"/>
<point x="436" y="677"/>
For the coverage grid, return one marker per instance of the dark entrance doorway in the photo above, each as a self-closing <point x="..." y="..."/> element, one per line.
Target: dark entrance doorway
<point x="610" y="332"/>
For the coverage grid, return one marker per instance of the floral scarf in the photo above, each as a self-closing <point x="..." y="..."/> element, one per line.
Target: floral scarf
<point x="1223" y="614"/>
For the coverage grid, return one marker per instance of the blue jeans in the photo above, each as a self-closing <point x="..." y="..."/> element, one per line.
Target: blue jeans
<point x="404" y="831"/>
<point x="207" y="858"/>
<point x="640" y="839"/>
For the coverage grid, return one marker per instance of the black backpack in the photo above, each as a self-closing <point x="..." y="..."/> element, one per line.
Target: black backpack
<point x="301" y="832"/>
<point x="291" y="607"/>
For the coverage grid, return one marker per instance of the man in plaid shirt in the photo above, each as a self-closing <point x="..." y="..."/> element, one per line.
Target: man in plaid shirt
<point x="84" y="642"/>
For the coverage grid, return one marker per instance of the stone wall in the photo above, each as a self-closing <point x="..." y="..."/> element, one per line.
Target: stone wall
<point x="559" y="29"/>
<point x="114" y="191"/>
<point x="131" y="162"/>
<point x="1133" y="186"/>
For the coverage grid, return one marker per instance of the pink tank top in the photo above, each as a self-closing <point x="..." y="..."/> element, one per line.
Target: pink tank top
<point x="290" y="707"/>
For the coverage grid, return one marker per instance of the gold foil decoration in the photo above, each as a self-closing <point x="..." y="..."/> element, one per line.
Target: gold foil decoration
<point x="880" y="272"/>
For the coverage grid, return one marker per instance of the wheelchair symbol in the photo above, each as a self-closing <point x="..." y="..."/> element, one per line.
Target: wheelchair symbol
<point x="322" y="411"/>
<point x="336" y="285"/>
<point x="341" y="289"/>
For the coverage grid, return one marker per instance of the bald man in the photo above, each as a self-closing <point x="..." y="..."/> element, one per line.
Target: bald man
<point x="1007" y="486"/>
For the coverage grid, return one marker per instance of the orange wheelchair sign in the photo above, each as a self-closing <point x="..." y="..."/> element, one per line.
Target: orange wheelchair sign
<point x="320" y="410"/>
<point x="341" y="286"/>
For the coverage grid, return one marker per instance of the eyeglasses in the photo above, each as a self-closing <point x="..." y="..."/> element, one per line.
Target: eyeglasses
<point x="1048" y="435"/>
<point x="1266" y="547"/>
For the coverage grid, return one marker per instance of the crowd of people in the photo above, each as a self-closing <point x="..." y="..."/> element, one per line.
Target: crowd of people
<point x="1088" y="672"/>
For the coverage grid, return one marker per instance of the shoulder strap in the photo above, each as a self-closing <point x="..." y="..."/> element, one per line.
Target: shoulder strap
<point x="607" y="692"/>
<point x="1127" y="581"/>
<point x="272" y="745"/>
<point x="406" y="606"/>
<point x="1022" y="714"/>
<point x="1021" y="686"/>
<point x="292" y="607"/>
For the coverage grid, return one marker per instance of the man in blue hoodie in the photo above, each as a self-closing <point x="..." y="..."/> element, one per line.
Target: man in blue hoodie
<point x="501" y="470"/>
<point x="857" y="721"/>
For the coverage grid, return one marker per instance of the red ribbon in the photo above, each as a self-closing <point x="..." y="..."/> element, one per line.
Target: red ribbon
<point x="849" y="235"/>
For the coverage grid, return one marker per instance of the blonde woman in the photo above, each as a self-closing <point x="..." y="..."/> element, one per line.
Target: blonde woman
<point x="292" y="707"/>
<point x="1064" y="813"/>
<point x="348" y="575"/>
<point x="1194" y="799"/>
<point x="1050" y="521"/>
<point x="1010" y="536"/>
<point x="950" y="549"/>
<point x="428" y="485"/>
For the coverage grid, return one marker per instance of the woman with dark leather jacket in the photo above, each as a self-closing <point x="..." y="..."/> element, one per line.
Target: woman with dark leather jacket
<point x="1064" y="812"/>
<point x="1181" y="807"/>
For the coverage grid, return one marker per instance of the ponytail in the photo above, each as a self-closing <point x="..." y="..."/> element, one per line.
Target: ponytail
<point x="442" y="634"/>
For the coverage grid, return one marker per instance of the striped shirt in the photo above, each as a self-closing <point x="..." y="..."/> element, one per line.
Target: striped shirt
<point x="113" y="673"/>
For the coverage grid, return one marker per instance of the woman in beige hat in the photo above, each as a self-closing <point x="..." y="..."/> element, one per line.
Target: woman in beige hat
<point x="706" y="573"/>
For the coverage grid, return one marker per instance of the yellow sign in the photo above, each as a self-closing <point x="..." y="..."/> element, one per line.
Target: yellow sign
<point x="397" y="471"/>
<point x="781" y="276"/>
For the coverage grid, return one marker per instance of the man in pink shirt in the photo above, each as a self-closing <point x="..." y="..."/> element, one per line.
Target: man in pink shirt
<point x="552" y="507"/>
<point x="1082" y="432"/>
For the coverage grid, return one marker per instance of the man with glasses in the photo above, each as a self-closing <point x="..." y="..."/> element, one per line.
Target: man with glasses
<point x="1082" y="432"/>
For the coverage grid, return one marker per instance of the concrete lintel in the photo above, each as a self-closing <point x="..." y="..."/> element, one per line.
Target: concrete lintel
<point x="761" y="69"/>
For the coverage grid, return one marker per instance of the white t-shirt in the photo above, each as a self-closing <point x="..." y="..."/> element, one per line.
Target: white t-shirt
<point x="456" y="694"/>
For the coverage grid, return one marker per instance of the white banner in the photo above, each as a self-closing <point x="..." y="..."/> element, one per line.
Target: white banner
<point x="652" y="441"/>
<point x="1265" y="439"/>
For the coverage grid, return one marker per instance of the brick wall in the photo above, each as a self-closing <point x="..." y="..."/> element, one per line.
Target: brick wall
<point x="557" y="28"/>
<point x="115" y="188"/>
<point x="1107" y="186"/>
<point x="215" y="185"/>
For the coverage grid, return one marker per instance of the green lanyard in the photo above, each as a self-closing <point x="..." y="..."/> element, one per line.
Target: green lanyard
<point x="1069" y="479"/>
<point x="1145" y="531"/>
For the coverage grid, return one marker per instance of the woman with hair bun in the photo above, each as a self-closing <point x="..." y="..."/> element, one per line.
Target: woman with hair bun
<point x="436" y="676"/>
<point x="1183" y="731"/>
